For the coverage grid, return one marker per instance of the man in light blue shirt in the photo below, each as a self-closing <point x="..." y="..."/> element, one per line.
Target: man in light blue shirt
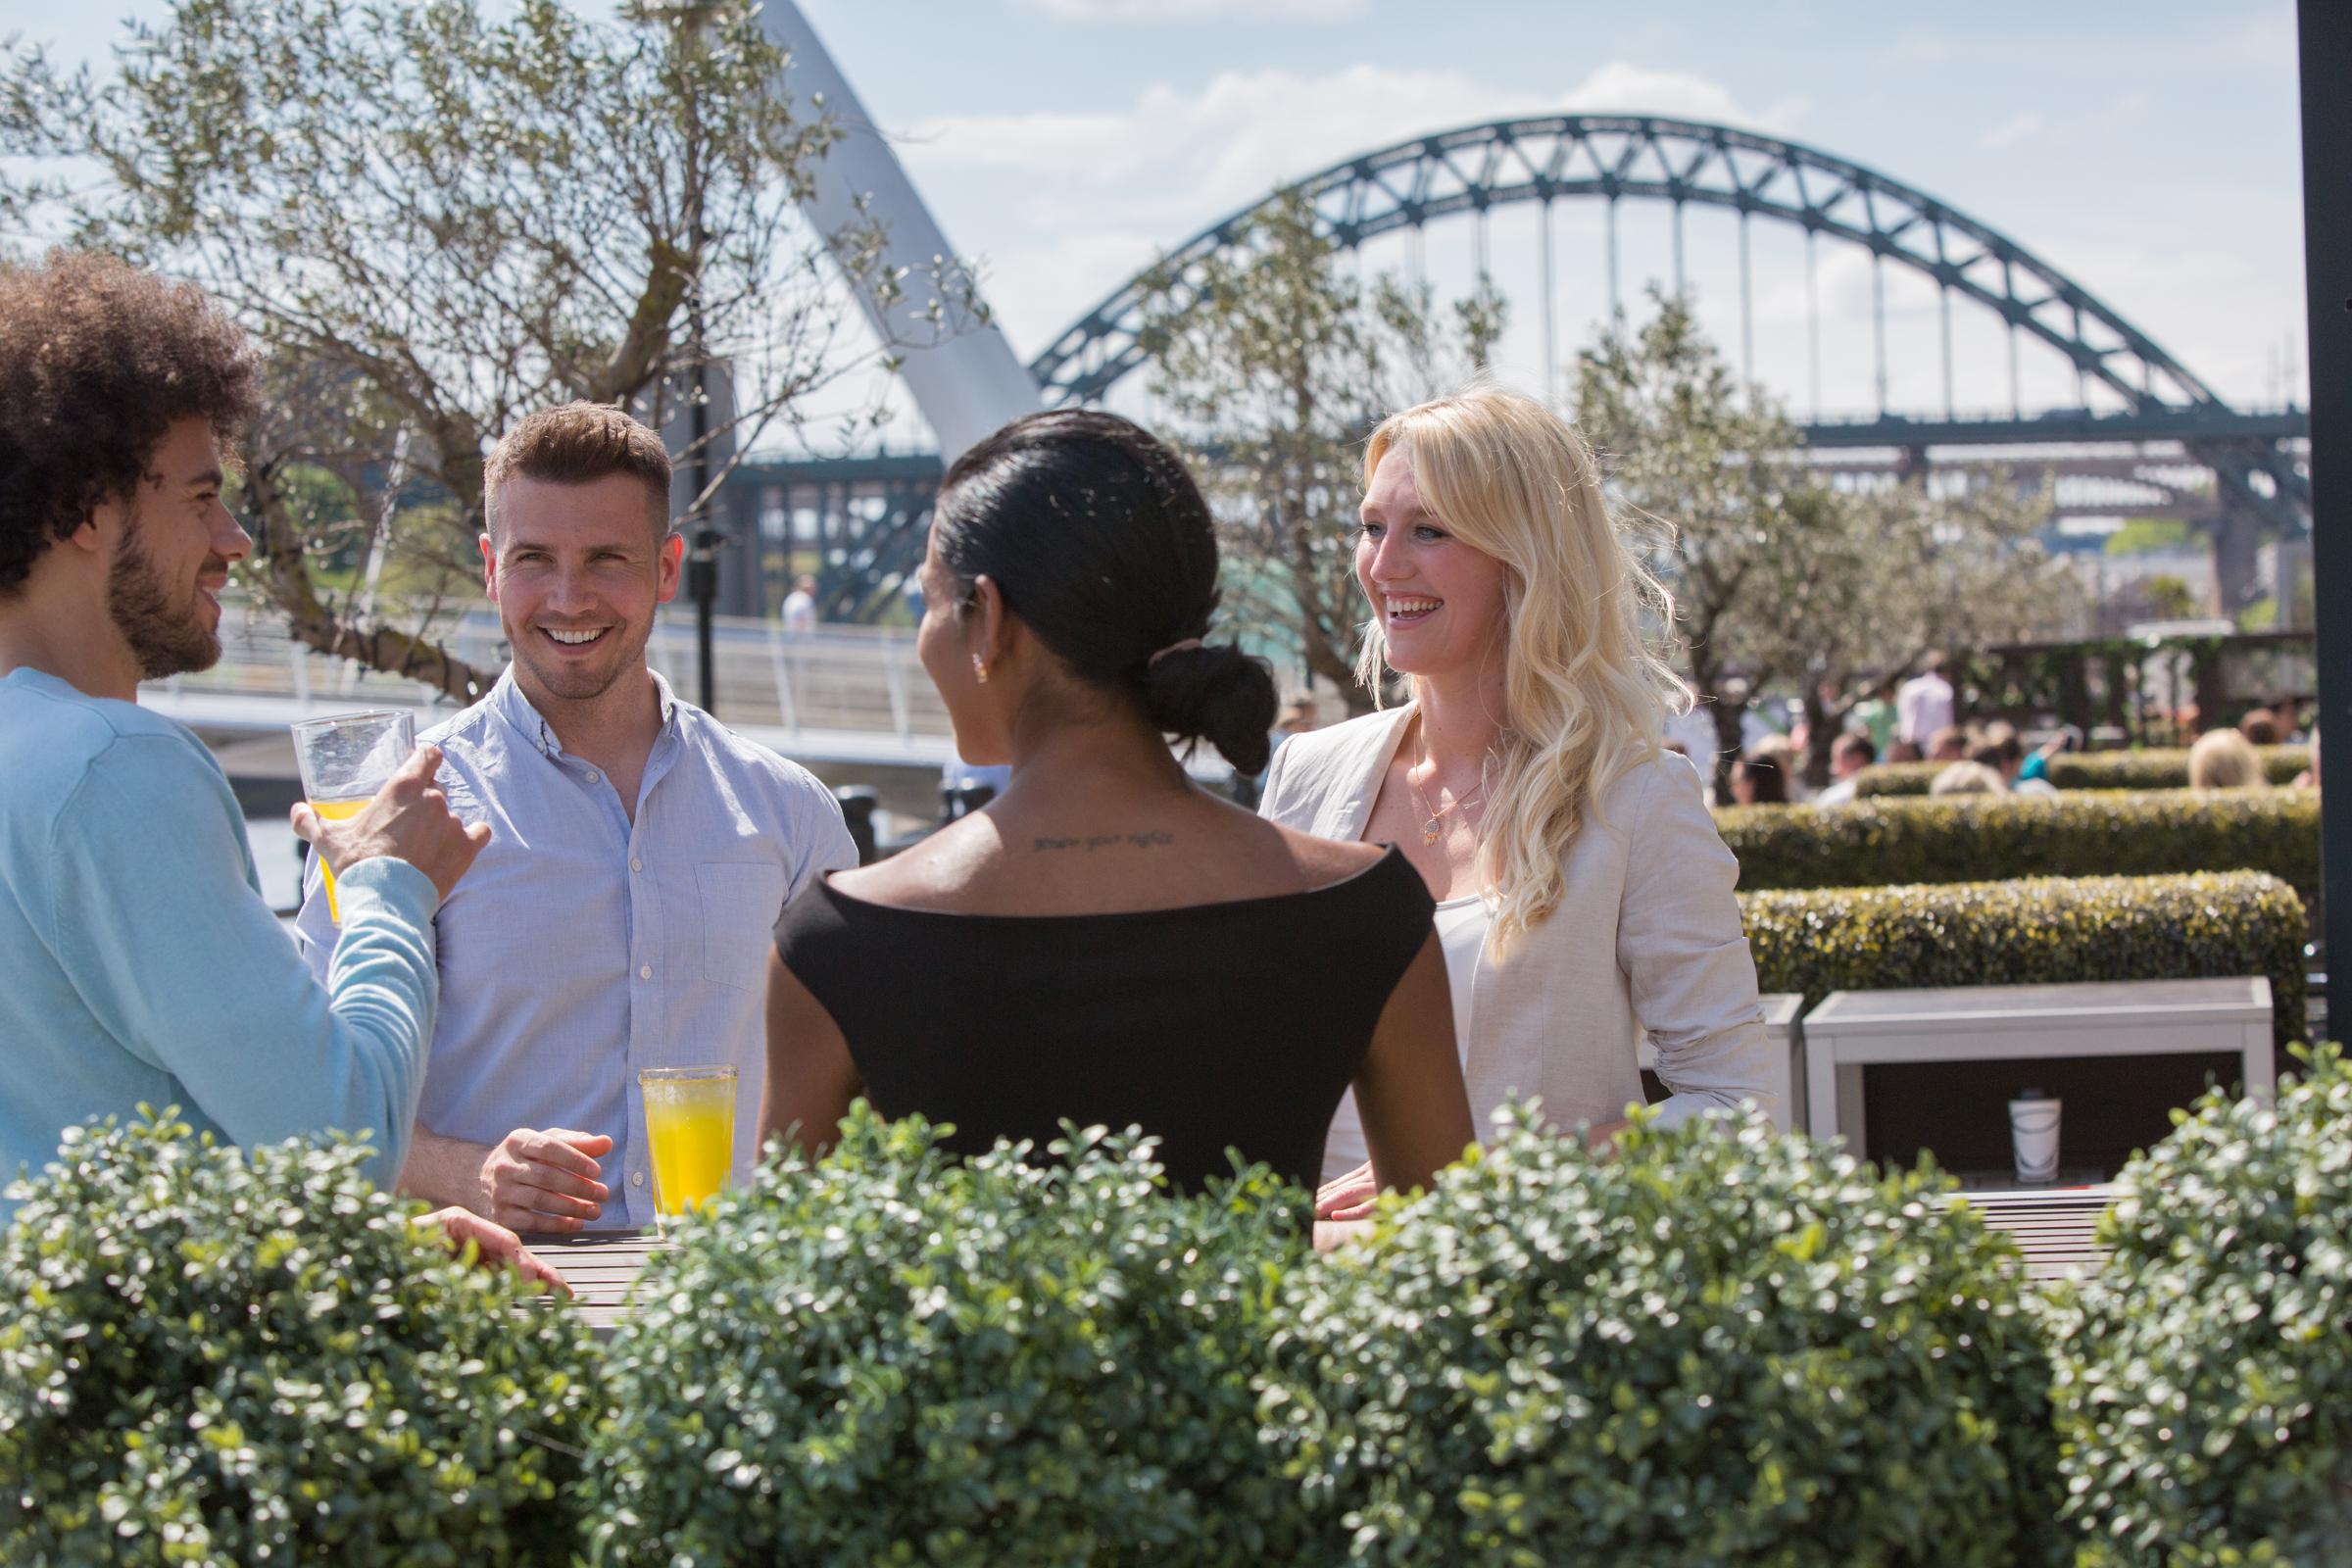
<point x="140" y="963"/>
<point x="622" y="918"/>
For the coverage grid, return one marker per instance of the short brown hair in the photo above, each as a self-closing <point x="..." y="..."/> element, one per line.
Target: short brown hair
<point x="579" y="443"/>
<point x="98" y="360"/>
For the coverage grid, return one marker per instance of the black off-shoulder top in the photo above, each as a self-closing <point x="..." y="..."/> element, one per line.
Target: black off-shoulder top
<point x="1216" y="1027"/>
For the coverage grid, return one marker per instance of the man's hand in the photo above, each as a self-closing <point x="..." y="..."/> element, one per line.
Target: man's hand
<point x="409" y="820"/>
<point x="544" y="1181"/>
<point x="1349" y="1197"/>
<point x="495" y="1245"/>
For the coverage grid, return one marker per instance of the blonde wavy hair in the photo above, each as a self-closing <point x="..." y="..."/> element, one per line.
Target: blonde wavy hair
<point x="1585" y="693"/>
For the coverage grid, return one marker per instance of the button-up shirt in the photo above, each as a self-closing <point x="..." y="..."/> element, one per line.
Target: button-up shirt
<point x="583" y="947"/>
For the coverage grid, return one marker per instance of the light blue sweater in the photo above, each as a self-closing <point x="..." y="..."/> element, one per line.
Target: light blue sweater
<point x="138" y="963"/>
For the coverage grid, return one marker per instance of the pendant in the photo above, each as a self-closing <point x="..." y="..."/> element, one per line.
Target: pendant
<point x="1428" y="831"/>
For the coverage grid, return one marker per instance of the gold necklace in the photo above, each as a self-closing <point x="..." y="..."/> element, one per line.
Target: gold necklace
<point x="1432" y="828"/>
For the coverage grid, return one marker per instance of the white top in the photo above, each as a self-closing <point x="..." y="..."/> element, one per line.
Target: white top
<point x="1462" y="927"/>
<point x="1838" y="794"/>
<point x="582" y="946"/>
<point x="1923" y="705"/>
<point x="1646" y="941"/>
<point x="800" y="613"/>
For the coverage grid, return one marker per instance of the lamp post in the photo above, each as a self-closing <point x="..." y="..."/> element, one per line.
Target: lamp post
<point x="702" y="586"/>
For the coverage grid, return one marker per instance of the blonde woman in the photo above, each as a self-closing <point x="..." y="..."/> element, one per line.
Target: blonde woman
<point x="2224" y="759"/>
<point x="1583" y="897"/>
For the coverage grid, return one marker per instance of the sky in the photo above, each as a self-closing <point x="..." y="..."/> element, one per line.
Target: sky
<point x="2148" y="148"/>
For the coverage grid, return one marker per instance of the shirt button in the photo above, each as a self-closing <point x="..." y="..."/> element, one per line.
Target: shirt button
<point x="635" y="865"/>
<point x="645" y="971"/>
<point x="592" y="775"/>
<point x="637" y="1178"/>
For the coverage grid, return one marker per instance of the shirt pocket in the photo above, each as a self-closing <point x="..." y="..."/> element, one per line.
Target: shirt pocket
<point x="741" y="901"/>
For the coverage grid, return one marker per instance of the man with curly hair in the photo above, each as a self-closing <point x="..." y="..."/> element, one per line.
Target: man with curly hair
<point x="142" y="964"/>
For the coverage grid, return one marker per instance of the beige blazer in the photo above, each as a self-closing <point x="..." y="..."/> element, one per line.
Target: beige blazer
<point x="1646" y="938"/>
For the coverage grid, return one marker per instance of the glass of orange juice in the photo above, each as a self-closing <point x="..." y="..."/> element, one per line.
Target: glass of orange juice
<point x="344" y="760"/>
<point x="690" y="1132"/>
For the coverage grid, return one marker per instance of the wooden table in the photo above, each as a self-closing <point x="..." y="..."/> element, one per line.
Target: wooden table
<point x="2053" y="1228"/>
<point x="2056" y="1228"/>
<point x="600" y="1267"/>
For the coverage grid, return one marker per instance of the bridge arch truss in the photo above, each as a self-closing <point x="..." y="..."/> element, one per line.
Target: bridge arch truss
<point x="1616" y="158"/>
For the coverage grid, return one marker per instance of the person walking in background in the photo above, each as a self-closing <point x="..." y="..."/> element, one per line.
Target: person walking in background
<point x="2224" y="759"/>
<point x="1850" y="753"/>
<point x="618" y="919"/>
<point x="1584" y="894"/>
<point x="1924" y="704"/>
<point x="142" y="965"/>
<point x="800" y="608"/>
<point x="1120" y="947"/>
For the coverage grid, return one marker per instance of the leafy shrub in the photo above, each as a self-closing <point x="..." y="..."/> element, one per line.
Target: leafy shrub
<point x="1712" y="1347"/>
<point x="210" y="1355"/>
<point x="2204" y="1390"/>
<point x="2032" y="932"/>
<point x="1986" y="838"/>
<point x="2153" y="768"/>
<point x="897" y="1356"/>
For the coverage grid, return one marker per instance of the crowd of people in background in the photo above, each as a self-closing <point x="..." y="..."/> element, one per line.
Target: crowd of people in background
<point x="1992" y="758"/>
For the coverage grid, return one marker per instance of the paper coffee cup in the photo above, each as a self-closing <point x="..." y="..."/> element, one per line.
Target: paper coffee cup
<point x="2034" y="1135"/>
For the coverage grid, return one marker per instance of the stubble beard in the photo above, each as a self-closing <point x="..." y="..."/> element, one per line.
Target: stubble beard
<point x="166" y="637"/>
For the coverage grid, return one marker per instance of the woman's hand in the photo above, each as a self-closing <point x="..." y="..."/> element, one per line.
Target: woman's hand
<point x="1349" y="1197"/>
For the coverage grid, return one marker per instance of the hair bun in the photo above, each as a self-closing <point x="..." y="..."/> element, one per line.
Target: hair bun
<point x="1214" y="692"/>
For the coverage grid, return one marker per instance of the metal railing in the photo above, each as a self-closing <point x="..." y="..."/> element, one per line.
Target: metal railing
<point x="836" y="681"/>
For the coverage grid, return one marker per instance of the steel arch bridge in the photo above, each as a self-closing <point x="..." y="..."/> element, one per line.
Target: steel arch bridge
<point x="1652" y="158"/>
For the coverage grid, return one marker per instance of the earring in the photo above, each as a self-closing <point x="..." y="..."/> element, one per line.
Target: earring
<point x="979" y="670"/>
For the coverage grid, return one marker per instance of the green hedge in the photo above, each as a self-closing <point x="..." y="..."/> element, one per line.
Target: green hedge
<point x="2034" y="932"/>
<point x="215" y="1357"/>
<point x="1991" y="838"/>
<point x="2156" y="769"/>
<point x="2204" y="1383"/>
<point x="1712" y="1344"/>
<point x="897" y="1356"/>
<point x="1706" y="1347"/>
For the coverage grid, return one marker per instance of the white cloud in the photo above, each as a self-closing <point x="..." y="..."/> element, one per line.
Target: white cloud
<point x="2023" y="125"/>
<point x="1098" y="194"/>
<point x="1197" y="10"/>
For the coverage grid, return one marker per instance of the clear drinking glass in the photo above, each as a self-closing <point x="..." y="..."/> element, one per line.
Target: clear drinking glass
<point x="344" y="760"/>
<point x="689" y="1133"/>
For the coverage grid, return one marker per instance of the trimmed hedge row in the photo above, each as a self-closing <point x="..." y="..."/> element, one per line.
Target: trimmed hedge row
<point x="2203" y="1383"/>
<point x="896" y="1356"/>
<point x="1704" y="1347"/>
<point x="2153" y="768"/>
<point x="1711" y="1345"/>
<point x="1990" y="838"/>
<point x="2034" y="931"/>
<point x="214" y="1355"/>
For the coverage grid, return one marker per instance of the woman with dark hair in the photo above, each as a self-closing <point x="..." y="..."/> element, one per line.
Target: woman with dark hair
<point x="1761" y="778"/>
<point x="1106" y="943"/>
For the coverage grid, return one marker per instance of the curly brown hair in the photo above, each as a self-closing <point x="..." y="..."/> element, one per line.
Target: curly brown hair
<point x="98" y="360"/>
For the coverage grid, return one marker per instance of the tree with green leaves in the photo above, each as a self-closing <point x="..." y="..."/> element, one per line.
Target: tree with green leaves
<point x="1781" y="581"/>
<point x="435" y="220"/>
<point x="1684" y="444"/>
<point x="1276" y="362"/>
